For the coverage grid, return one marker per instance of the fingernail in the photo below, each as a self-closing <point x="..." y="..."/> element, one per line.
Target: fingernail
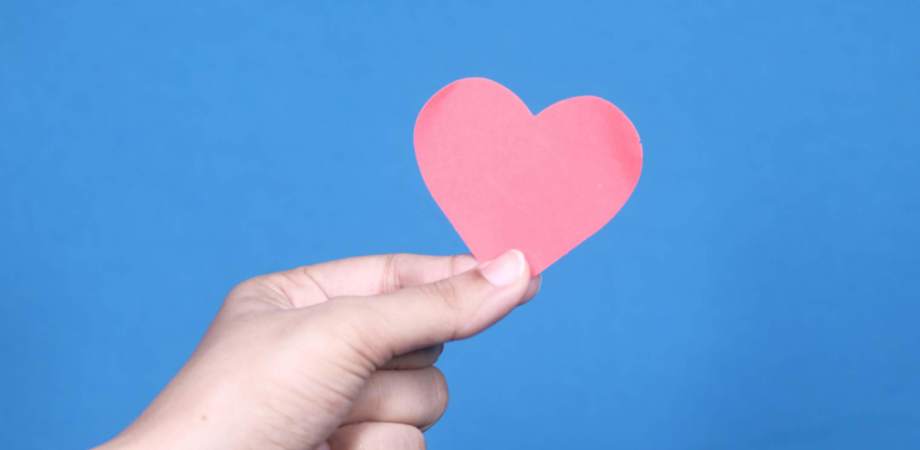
<point x="505" y="269"/>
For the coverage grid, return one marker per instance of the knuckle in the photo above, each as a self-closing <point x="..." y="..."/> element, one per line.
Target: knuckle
<point x="445" y="292"/>
<point x="343" y="333"/>
<point x="389" y="282"/>
<point x="454" y="264"/>
<point x="247" y="286"/>
<point x="258" y="287"/>
<point x="460" y="263"/>
<point x="393" y="272"/>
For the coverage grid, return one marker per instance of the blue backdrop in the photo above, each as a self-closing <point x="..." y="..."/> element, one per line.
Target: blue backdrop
<point x="760" y="290"/>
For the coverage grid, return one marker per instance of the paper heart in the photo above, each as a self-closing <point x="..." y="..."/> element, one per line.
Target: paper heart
<point x="508" y="179"/>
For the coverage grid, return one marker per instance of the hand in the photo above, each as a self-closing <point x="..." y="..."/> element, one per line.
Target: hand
<point x="336" y="355"/>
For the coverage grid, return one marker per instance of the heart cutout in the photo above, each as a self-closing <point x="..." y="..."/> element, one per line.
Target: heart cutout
<point x="507" y="179"/>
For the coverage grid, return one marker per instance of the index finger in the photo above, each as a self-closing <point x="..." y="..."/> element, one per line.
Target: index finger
<point x="378" y="274"/>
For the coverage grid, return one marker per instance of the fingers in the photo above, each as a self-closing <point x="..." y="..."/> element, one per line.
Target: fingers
<point x="372" y="275"/>
<point x="377" y="436"/>
<point x="421" y="316"/>
<point x="412" y="397"/>
<point x="428" y="356"/>
<point x="418" y="359"/>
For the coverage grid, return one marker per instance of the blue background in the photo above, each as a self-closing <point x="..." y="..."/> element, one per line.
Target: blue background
<point x="760" y="290"/>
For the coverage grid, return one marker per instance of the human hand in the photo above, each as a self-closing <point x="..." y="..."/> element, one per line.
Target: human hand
<point x="336" y="355"/>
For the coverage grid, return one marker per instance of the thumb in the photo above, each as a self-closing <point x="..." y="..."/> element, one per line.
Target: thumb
<point x="425" y="315"/>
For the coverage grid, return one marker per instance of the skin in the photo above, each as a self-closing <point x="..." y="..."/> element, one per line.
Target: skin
<point x="334" y="356"/>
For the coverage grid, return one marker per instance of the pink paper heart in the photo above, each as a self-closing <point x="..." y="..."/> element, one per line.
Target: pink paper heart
<point x="508" y="179"/>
